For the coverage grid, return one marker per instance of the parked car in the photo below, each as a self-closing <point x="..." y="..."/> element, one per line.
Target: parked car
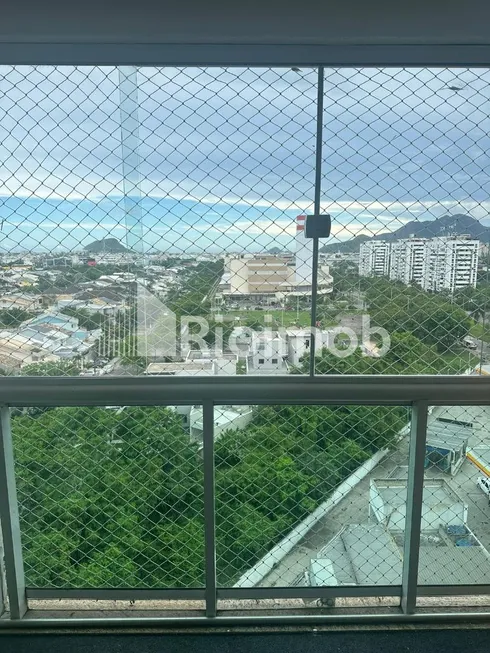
<point x="484" y="484"/>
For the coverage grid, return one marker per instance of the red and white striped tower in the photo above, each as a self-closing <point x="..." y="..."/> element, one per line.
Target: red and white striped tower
<point x="304" y="253"/>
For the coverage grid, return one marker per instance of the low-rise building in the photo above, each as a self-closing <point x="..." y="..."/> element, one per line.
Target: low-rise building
<point x="368" y="554"/>
<point x="263" y="277"/>
<point x="59" y="334"/>
<point x="441" y="504"/>
<point x="371" y="553"/>
<point x="224" y="363"/>
<point x="298" y="344"/>
<point x="267" y="354"/>
<point x="226" y="418"/>
<point x="25" y="302"/>
<point x="16" y="351"/>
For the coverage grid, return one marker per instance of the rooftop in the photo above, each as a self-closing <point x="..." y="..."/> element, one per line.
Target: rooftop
<point x="446" y="435"/>
<point x="437" y="492"/>
<point x="366" y="554"/>
<point x="458" y="565"/>
<point x="360" y="555"/>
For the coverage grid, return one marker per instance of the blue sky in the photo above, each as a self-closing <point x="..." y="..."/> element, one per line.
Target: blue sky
<point x="225" y="158"/>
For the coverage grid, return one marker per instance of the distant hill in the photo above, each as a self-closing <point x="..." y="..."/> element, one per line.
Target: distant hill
<point x="346" y="247"/>
<point x="446" y="226"/>
<point x="109" y="245"/>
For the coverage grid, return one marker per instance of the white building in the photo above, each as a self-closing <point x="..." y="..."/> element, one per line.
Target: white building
<point x="304" y="253"/>
<point x="374" y="258"/>
<point x="268" y="354"/>
<point x="407" y="260"/>
<point x="450" y="264"/>
<point x="436" y="264"/>
<point x="269" y="277"/>
<point x="441" y="504"/>
<point x="23" y="302"/>
<point x="298" y="343"/>
<point x="226" y="418"/>
<point x="224" y="364"/>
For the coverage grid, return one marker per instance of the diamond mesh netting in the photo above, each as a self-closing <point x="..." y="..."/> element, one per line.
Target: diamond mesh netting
<point x="135" y="200"/>
<point x="155" y="221"/>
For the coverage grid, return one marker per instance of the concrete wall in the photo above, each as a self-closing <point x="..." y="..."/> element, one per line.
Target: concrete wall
<point x="376" y="504"/>
<point x="432" y="517"/>
<point x="238" y="276"/>
<point x="297" y="348"/>
<point x="225" y="366"/>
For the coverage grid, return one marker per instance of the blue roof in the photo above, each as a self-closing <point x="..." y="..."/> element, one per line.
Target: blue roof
<point x="56" y="320"/>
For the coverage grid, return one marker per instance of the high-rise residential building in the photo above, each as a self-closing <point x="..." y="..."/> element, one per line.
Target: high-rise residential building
<point x="450" y="264"/>
<point x="374" y="258"/>
<point x="304" y="253"/>
<point x="407" y="260"/>
<point x="436" y="264"/>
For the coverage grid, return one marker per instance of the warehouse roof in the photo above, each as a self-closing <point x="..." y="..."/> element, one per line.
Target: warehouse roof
<point x="456" y="565"/>
<point x="447" y="435"/>
<point x="436" y="492"/>
<point x="361" y="554"/>
<point x="367" y="554"/>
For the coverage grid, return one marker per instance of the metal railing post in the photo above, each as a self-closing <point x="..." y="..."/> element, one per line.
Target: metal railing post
<point x="9" y="519"/>
<point x="415" y="490"/>
<point x="3" y="583"/>
<point x="209" y="509"/>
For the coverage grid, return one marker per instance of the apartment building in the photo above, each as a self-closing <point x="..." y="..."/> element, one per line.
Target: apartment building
<point x="374" y="258"/>
<point x="436" y="264"/>
<point x="407" y="259"/>
<point x="450" y="264"/>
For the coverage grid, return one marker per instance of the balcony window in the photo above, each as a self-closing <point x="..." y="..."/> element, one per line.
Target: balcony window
<point x="155" y="225"/>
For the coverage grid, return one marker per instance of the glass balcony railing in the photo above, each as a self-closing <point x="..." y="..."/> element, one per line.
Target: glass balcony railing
<point x="287" y="497"/>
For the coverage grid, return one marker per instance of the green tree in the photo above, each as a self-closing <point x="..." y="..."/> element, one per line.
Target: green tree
<point x="430" y="317"/>
<point x="55" y="368"/>
<point x="86" y="319"/>
<point x="13" y="317"/>
<point x="114" y="498"/>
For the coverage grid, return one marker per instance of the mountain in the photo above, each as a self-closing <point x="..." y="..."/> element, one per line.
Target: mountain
<point x="347" y="247"/>
<point x="448" y="225"/>
<point x="109" y="245"/>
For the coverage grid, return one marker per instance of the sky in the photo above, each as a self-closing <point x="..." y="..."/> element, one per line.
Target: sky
<point x="224" y="159"/>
